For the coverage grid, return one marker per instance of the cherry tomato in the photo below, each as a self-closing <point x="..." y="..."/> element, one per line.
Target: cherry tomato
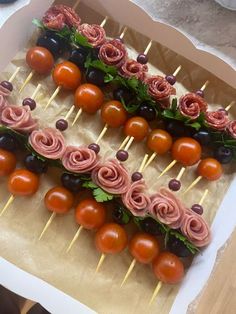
<point x="67" y="75"/>
<point x="210" y="169"/>
<point x="159" y="141"/>
<point x="111" y="238"/>
<point x="168" y="268"/>
<point x="59" y="200"/>
<point x="136" y="127"/>
<point x="90" y="214"/>
<point x="113" y="113"/>
<point x="89" y="97"/>
<point x="187" y="151"/>
<point x="7" y="162"/>
<point x="40" y="60"/>
<point x="23" y="182"/>
<point x="144" y="247"/>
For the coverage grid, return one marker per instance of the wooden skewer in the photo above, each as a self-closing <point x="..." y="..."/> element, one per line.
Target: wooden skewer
<point x="77" y="116"/>
<point x="157" y="289"/>
<point x="29" y="77"/>
<point x="74" y="239"/>
<point x="230" y="105"/>
<point x="57" y="90"/>
<point x="123" y="32"/>
<point x="37" y="89"/>
<point x="204" y="86"/>
<point x="8" y="203"/>
<point x="171" y="165"/>
<point x="203" y="197"/>
<point x="176" y="72"/>
<point x="130" y="269"/>
<point x="11" y="79"/>
<point x="67" y="116"/>
<point x="180" y="174"/>
<point x="53" y="215"/>
<point x="152" y="157"/>
<point x="124" y="142"/>
<point x="100" y="262"/>
<point x="142" y="166"/>
<point x="103" y="132"/>
<point x="192" y="184"/>
<point x="104" y="21"/>
<point x="149" y="45"/>
<point x="130" y="141"/>
<point x="76" y="4"/>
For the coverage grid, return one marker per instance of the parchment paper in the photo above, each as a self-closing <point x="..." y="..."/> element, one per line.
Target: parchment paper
<point x="22" y="223"/>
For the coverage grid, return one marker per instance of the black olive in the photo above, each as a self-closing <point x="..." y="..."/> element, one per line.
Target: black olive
<point x="53" y="44"/>
<point x="177" y="128"/>
<point x="120" y="214"/>
<point x="147" y="112"/>
<point x="34" y="164"/>
<point x="203" y="137"/>
<point x="223" y="154"/>
<point x="176" y="246"/>
<point x="95" y="76"/>
<point x="78" y="57"/>
<point x="8" y="142"/>
<point x="149" y="225"/>
<point x="122" y="93"/>
<point x="71" y="182"/>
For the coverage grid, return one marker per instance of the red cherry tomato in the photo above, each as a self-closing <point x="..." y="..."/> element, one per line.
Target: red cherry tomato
<point x="7" y="162"/>
<point x="40" y="60"/>
<point x="90" y="214"/>
<point x="113" y="113"/>
<point x="168" y="268"/>
<point x="111" y="238"/>
<point x="67" y="75"/>
<point x="144" y="247"/>
<point x="89" y="97"/>
<point x="159" y="141"/>
<point x="59" y="200"/>
<point x="210" y="169"/>
<point x="187" y="151"/>
<point x="136" y="127"/>
<point x="23" y="182"/>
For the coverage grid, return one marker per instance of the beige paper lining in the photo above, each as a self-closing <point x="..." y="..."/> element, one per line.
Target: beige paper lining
<point x="22" y="223"/>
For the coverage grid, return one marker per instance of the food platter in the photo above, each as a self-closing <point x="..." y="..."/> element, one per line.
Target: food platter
<point x="86" y="130"/>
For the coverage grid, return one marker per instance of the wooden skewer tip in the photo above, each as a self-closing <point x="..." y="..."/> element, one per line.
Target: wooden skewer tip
<point x="157" y="289"/>
<point x="53" y="215"/>
<point x="76" y="236"/>
<point x="100" y="262"/>
<point x="8" y="203"/>
<point x="130" y="269"/>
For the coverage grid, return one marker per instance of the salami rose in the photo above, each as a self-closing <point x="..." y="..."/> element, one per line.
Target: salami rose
<point x="113" y="52"/>
<point x="79" y="159"/>
<point x="159" y="88"/>
<point x="112" y="177"/>
<point x="59" y="16"/>
<point x="19" y="118"/>
<point x="48" y="142"/>
<point x="195" y="229"/>
<point x="167" y="208"/>
<point x="231" y="128"/>
<point x="132" y="68"/>
<point x="216" y="119"/>
<point x="135" y="199"/>
<point x="94" y="33"/>
<point x="191" y="105"/>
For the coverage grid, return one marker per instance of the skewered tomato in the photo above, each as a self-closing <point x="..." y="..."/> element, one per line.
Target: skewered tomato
<point x="144" y="247"/>
<point x="111" y="238"/>
<point x="159" y="141"/>
<point x="89" y="97"/>
<point x="210" y="169"/>
<point x="168" y="268"/>
<point x="23" y="182"/>
<point x="59" y="200"/>
<point x="40" y="60"/>
<point x="7" y="162"/>
<point x="136" y="127"/>
<point x="187" y="151"/>
<point x="90" y="214"/>
<point x="113" y="113"/>
<point x="67" y="75"/>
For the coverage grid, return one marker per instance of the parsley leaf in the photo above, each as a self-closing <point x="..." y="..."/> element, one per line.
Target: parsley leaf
<point x="99" y="194"/>
<point x="38" y="23"/>
<point x="190" y="246"/>
<point x="98" y="64"/>
<point x="79" y="40"/>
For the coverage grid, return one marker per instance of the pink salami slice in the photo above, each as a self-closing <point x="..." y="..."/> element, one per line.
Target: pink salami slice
<point x="217" y="120"/>
<point x="231" y="128"/>
<point x="132" y="68"/>
<point x="94" y="33"/>
<point x="48" y="142"/>
<point x="191" y="105"/>
<point x="113" y="52"/>
<point x="79" y="159"/>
